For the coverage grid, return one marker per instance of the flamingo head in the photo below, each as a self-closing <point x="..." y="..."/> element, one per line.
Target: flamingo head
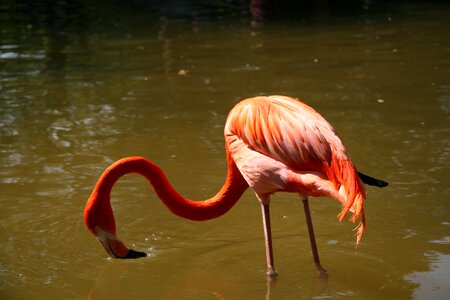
<point x="99" y="219"/>
<point x="115" y="247"/>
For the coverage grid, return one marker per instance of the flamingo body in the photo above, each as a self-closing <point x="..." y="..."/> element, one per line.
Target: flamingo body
<point x="273" y="144"/>
<point x="281" y="144"/>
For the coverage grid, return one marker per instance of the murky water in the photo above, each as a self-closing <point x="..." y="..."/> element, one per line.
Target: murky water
<point x="84" y="84"/>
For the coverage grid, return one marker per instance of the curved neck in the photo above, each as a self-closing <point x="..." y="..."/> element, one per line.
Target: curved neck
<point x="98" y="211"/>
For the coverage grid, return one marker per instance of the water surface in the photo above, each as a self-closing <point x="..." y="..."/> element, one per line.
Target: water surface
<point x="83" y="84"/>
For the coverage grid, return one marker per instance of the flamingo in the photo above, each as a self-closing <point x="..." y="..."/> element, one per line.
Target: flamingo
<point x="273" y="144"/>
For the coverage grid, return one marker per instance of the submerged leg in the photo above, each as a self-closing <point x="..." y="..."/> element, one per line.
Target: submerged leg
<point x="312" y="238"/>
<point x="268" y="240"/>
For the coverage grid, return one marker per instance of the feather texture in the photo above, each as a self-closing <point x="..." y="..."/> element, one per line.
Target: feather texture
<point x="282" y="144"/>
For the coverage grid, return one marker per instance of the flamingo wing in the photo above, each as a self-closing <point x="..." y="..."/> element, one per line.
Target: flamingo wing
<point x="286" y="130"/>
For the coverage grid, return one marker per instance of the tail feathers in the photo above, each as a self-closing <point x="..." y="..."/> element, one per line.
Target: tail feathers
<point x="352" y="191"/>
<point x="350" y="187"/>
<point x="372" y="181"/>
<point x="360" y="229"/>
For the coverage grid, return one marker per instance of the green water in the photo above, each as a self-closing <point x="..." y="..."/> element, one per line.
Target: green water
<point x="85" y="83"/>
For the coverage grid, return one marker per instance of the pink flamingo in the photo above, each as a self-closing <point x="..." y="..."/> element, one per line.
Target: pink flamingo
<point x="273" y="144"/>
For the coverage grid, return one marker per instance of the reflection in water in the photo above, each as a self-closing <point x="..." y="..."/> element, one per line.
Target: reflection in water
<point x="118" y="278"/>
<point x="202" y="285"/>
<point x="125" y="279"/>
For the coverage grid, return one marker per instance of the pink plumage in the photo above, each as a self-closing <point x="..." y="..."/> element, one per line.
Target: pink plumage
<point x="281" y="144"/>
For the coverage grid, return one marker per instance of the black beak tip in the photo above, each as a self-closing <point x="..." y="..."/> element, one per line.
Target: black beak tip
<point x="382" y="183"/>
<point x="135" y="254"/>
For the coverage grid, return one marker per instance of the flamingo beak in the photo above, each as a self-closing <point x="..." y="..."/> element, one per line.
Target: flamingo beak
<point x="115" y="247"/>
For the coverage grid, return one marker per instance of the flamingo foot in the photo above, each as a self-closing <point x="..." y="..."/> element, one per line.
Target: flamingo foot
<point x="322" y="272"/>
<point x="271" y="272"/>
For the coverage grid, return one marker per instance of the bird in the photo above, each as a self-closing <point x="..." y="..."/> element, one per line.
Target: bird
<point x="272" y="144"/>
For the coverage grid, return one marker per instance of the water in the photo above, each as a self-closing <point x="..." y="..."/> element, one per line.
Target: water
<point x="83" y="84"/>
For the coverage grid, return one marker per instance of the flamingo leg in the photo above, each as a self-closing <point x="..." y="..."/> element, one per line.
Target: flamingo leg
<point x="312" y="238"/>
<point x="268" y="240"/>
